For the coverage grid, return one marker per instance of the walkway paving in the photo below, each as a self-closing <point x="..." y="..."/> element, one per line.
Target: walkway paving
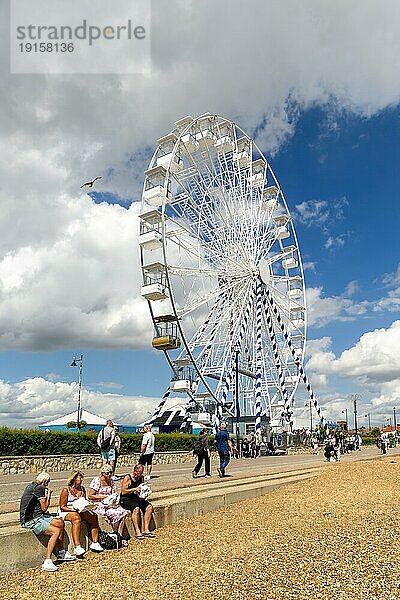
<point x="180" y="475"/>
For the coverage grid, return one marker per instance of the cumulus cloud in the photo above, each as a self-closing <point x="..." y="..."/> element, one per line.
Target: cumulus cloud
<point x="373" y="360"/>
<point x="69" y="271"/>
<point x="35" y="401"/>
<point x="370" y="368"/>
<point x="325" y="309"/>
<point x="82" y="287"/>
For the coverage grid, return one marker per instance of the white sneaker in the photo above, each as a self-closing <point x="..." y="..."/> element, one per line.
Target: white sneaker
<point x="48" y="565"/>
<point x="95" y="546"/>
<point x="65" y="555"/>
<point x="79" y="551"/>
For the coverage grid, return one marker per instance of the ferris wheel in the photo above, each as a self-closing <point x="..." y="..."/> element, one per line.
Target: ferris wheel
<point x="222" y="272"/>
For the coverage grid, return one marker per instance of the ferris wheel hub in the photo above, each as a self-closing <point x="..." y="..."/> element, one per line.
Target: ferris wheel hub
<point x="264" y="271"/>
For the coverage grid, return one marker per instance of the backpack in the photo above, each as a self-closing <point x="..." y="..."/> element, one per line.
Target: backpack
<point x="105" y="442"/>
<point x="110" y="541"/>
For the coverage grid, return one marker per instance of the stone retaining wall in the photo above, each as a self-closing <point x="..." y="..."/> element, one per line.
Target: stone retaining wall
<point x="11" y="465"/>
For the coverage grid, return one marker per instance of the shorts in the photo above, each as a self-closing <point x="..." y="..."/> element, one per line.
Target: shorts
<point x="134" y="501"/>
<point x="146" y="459"/>
<point x="39" y="524"/>
<point x="108" y="455"/>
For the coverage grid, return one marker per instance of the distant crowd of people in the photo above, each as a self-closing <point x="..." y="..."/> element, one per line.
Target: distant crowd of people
<point x="337" y="444"/>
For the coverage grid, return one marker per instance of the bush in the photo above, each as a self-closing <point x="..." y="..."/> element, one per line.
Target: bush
<point x="30" y="442"/>
<point x="370" y="438"/>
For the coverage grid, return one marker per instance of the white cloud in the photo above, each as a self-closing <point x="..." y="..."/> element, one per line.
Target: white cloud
<point x="335" y="242"/>
<point x="392" y="279"/>
<point x="323" y="310"/>
<point x="389" y="303"/>
<point x="34" y="401"/>
<point x="69" y="271"/>
<point x="318" y="345"/>
<point x="370" y="368"/>
<point x="81" y="287"/>
<point x="351" y="288"/>
<point x="312" y="212"/>
<point x="310" y="266"/>
<point x="373" y="360"/>
<point x="320" y="213"/>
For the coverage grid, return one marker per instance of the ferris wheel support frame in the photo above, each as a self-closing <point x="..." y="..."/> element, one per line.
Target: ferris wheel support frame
<point x="201" y="201"/>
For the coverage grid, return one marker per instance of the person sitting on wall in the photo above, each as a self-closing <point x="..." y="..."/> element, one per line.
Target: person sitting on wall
<point x="102" y="492"/>
<point x="131" y="492"/>
<point x="34" y="515"/>
<point x="74" y="490"/>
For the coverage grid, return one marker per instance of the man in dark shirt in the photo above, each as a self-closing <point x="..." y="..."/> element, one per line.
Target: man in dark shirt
<point x="34" y="515"/>
<point x="224" y="446"/>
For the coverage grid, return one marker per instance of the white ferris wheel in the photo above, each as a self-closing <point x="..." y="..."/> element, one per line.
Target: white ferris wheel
<point x="222" y="272"/>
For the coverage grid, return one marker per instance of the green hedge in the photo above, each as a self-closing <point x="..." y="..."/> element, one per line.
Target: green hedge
<point x="29" y="442"/>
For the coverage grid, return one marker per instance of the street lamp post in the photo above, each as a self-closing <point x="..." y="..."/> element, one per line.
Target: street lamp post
<point x="355" y="398"/>
<point x="347" y="420"/>
<point x="309" y="404"/>
<point x="394" y="420"/>
<point x="369" y="420"/>
<point x="237" y="400"/>
<point x="389" y="420"/>
<point x="75" y="363"/>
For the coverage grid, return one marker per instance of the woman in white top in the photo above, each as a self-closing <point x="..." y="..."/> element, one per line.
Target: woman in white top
<point x="74" y="490"/>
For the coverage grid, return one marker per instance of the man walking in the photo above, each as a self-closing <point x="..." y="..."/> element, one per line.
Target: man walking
<point x="147" y="450"/>
<point x="106" y="443"/>
<point x="224" y="446"/>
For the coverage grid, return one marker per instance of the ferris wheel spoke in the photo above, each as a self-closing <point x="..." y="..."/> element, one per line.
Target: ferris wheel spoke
<point x="209" y="253"/>
<point x="202" y="209"/>
<point x="196" y="303"/>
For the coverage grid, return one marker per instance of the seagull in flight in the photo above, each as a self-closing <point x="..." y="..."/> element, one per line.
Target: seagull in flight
<point x="90" y="183"/>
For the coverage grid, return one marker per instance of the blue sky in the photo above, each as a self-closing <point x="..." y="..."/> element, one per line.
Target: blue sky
<point x="69" y="267"/>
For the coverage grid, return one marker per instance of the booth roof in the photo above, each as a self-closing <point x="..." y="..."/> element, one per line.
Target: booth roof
<point x="90" y="419"/>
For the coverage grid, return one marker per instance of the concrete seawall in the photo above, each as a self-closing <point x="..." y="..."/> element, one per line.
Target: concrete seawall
<point x="20" y="549"/>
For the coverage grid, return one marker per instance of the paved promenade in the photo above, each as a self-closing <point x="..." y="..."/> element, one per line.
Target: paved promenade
<point x="166" y="477"/>
<point x="332" y="536"/>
